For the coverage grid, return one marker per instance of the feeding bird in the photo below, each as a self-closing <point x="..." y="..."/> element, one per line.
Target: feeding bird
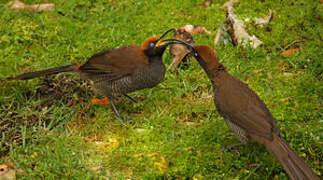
<point x="118" y="71"/>
<point x="246" y="114"/>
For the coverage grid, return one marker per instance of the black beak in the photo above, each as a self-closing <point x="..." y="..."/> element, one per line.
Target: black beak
<point x="195" y="53"/>
<point x="170" y="30"/>
<point x="176" y="41"/>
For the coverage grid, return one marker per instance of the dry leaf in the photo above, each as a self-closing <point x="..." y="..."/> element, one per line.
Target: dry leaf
<point x="237" y="30"/>
<point x="195" y="29"/>
<point x="229" y="3"/>
<point x="152" y="155"/>
<point x="206" y="4"/>
<point x="265" y="20"/>
<point x="162" y="164"/>
<point x="16" y="4"/>
<point x="276" y="177"/>
<point x="289" y="52"/>
<point x="140" y="155"/>
<point x="114" y="142"/>
<point x="258" y="70"/>
<point x="222" y="36"/>
<point x="104" y="101"/>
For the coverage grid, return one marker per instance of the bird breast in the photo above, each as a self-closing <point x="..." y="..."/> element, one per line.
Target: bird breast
<point x="145" y="77"/>
<point x="149" y="76"/>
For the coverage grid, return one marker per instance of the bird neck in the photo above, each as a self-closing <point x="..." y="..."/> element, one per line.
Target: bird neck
<point x="213" y="73"/>
<point x="155" y="59"/>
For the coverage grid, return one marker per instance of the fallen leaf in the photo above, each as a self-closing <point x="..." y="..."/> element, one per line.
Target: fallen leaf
<point x="152" y="154"/>
<point x="114" y="142"/>
<point x="190" y="123"/>
<point x="222" y="36"/>
<point x="104" y="101"/>
<point x="276" y="177"/>
<point x="289" y="52"/>
<point x="197" y="177"/>
<point x="237" y="30"/>
<point x="141" y="130"/>
<point x="95" y="101"/>
<point x="287" y="74"/>
<point x="258" y="70"/>
<point x="16" y="4"/>
<point x="206" y="4"/>
<point x="265" y="20"/>
<point x="253" y="165"/>
<point x="162" y="164"/>
<point x="202" y="122"/>
<point x="139" y="155"/>
<point x="195" y="29"/>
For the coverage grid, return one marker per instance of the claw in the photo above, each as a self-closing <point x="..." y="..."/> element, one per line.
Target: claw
<point x="115" y="110"/>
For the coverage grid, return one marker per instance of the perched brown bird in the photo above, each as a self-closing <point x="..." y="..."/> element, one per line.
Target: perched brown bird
<point x="247" y="115"/>
<point x="180" y="52"/>
<point x="119" y="71"/>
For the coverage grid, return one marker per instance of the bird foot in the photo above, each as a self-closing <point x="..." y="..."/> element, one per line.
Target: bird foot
<point x="232" y="148"/>
<point x="104" y="101"/>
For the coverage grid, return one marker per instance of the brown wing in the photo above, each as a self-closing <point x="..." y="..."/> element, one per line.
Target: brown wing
<point x="113" y="64"/>
<point x="242" y="106"/>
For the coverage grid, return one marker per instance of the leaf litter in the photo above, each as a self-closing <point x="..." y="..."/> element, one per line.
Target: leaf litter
<point x="63" y="89"/>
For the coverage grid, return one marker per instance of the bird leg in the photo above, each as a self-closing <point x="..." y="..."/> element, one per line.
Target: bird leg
<point x="131" y="98"/>
<point x="115" y="109"/>
<point x="232" y="148"/>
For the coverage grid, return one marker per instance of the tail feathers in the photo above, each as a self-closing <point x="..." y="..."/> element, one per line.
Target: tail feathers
<point x="54" y="70"/>
<point x="295" y="166"/>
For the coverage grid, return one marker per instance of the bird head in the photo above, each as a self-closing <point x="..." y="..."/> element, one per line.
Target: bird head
<point x="206" y="56"/>
<point x="154" y="46"/>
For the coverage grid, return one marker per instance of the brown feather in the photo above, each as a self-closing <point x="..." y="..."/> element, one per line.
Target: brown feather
<point x="289" y="159"/>
<point x="248" y="116"/>
<point x="244" y="107"/>
<point x="114" y="63"/>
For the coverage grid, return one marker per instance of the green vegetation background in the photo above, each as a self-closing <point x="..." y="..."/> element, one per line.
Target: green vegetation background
<point x="176" y="131"/>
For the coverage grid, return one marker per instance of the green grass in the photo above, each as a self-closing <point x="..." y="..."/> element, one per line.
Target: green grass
<point x="176" y="131"/>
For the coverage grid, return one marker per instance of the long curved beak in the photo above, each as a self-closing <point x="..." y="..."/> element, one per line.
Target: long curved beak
<point x="159" y="42"/>
<point x="176" y="41"/>
<point x="196" y="54"/>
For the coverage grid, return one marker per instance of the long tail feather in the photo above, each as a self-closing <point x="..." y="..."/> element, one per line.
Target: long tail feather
<point x="294" y="165"/>
<point x="54" y="70"/>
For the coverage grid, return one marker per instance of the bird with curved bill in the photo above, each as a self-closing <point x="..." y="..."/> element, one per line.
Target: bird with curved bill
<point x="246" y="114"/>
<point x="120" y="71"/>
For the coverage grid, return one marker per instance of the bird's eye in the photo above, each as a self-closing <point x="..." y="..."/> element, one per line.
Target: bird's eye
<point x="195" y="54"/>
<point x="151" y="44"/>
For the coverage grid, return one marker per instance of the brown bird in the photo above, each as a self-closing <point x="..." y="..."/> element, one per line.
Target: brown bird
<point x="119" y="71"/>
<point x="247" y="115"/>
<point x="179" y="52"/>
